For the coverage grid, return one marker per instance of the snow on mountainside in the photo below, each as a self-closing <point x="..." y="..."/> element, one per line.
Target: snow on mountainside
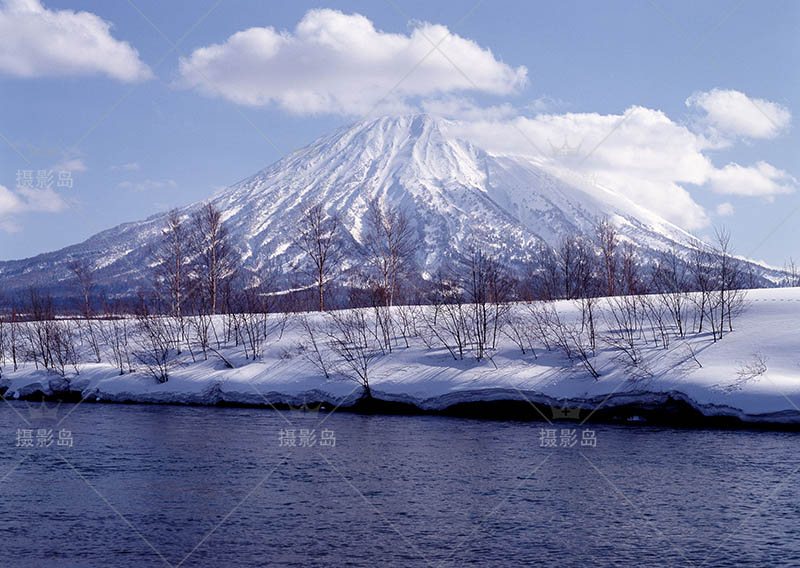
<point x="454" y="191"/>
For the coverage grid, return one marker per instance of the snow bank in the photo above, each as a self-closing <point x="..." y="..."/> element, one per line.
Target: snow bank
<point x="431" y="380"/>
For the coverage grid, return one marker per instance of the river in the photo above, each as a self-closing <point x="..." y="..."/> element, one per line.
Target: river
<point x="138" y="485"/>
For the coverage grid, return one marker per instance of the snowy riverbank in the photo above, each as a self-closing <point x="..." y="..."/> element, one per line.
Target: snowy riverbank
<point x="751" y="375"/>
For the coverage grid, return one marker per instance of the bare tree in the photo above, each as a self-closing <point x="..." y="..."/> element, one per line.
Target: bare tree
<point x="352" y="341"/>
<point x="607" y="241"/>
<point x="171" y="257"/>
<point x="567" y="258"/>
<point x="487" y="293"/>
<point x="630" y="276"/>
<point x="729" y="282"/>
<point x="447" y="319"/>
<point x="4" y="342"/>
<point x="153" y="346"/>
<point x="408" y="316"/>
<point x="586" y="287"/>
<point x="252" y="320"/>
<point x="318" y="239"/>
<point x="115" y="334"/>
<point x="14" y="334"/>
<point x="570" y="337"/>
<point x="61" y="345"/>
<point x="312" y="350"/>
<point x="623" y="327"/>
<point x="520" y="330"/>
<point x="390" y="246"/>
<point x="84" y="274"/>
<point x="50" y="342"/>
<point x="214" y="257"/>
<point x="671" y="280"/>
<point x="543" y="274"/>
<point x="792" y="271"/>
<point x="701" y="269"/>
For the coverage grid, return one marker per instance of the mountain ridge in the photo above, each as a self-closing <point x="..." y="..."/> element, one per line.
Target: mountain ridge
<point x="455" y="192"/>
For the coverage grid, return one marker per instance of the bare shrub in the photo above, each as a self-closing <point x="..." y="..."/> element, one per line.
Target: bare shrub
<point x="153" y="346"/>
<point x="408" y="317"/>
<point x="352" y="341"/>
<point x="622" y="324"/>
<point x="114" y="334"/>
<point x="312" y="349"/>
<point x="517" y="327"/>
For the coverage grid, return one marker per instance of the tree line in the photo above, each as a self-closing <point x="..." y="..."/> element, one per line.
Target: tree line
<point x="202" y="302"/>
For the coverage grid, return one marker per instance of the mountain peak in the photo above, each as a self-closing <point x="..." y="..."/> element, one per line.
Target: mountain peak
<point x="454" y="194"/>
<point x="414" y="126"/>
<point x="411" y="120"/>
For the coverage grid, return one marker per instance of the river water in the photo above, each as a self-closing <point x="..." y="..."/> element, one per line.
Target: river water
<point x="117" y="485"/>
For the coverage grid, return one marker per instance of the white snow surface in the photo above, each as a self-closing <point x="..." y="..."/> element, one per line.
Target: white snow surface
<point x="432" y="379"/>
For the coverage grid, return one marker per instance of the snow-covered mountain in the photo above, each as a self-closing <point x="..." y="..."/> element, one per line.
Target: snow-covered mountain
<point x="454" y="191"/>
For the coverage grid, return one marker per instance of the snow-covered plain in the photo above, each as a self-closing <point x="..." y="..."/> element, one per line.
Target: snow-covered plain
<point x="431" y="379"/>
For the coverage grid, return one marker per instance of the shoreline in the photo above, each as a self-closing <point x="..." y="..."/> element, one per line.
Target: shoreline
<point x="672" y="409"/>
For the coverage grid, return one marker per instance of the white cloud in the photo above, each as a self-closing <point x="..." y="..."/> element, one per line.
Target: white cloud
<point x="645" y="157"/>
<point x="25" y="200"/>
<point x="466" y="109"/>
<point x="725" y="209"/>
<point x="147" y="184"/>
<point x="546" y="103"/>
<point x="761" y="180"/>
<point x="70" y="165"/>
<point x="642" y="154"/>
<point x="36" y="42"/>
<point x="730" y="112"/>
<point x="339" y="63"/>
<point x="44" y="200"/>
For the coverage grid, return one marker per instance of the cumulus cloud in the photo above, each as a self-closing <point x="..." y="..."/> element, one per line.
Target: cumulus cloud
<point x="642" y="154"/>
<point x="26" y="200"/>
<point x="761" y="180"/>
<point x="37" y="42"/>
<point x="340" y="63"/>
<point x="730" y="112"/>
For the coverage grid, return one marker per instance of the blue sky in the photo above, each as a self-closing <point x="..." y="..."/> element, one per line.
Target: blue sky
<point x="141" y="132"/>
